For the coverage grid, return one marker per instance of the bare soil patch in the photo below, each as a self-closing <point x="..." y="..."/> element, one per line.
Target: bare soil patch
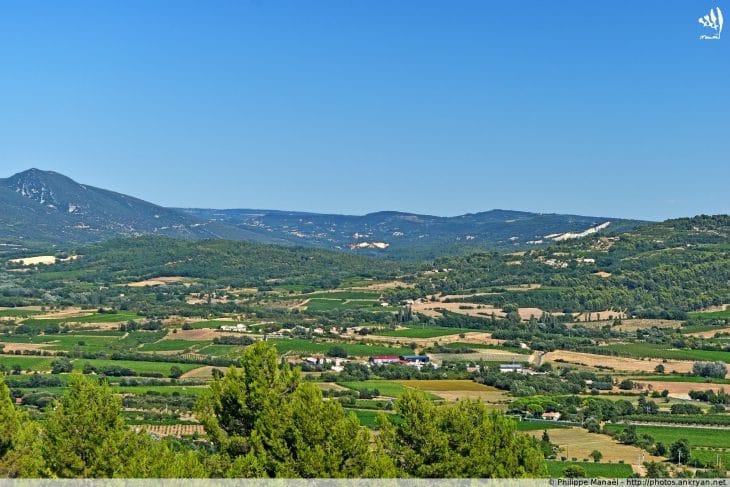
<point x="24" y="347"/>
<point x="579" y="443"/>
<point x="176" y="430"/>
<point x="429" y="308"/>
<point x="157" y="281"/>
<point x="205" y="372"/>
<point x="608" y="314"/>
<point x="680" y="389"/>
<point x="455" y="390"/>
<point x="469" y="337"/>
<point x="708" y="333"/>
<point x="603" y="274"/>
<point x="617" y="363"/>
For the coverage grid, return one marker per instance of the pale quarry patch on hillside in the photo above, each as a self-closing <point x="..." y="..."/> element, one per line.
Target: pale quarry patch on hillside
<point x="41" y="260"/>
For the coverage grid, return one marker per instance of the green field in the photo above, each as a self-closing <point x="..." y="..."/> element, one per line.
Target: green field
<point x="640" y="350"/>
<point x="593" y="470"/>
<point x="13" y="313"/>
<point x="713" y="438"/>
<point x="27" y="363"/>
<point x="714" y="315"/>
<point x="184" y="390"/>
<point x="354" y="349"/>
<point x="138" y="366"/>
<point x="683" y="378"/>
<point x="331" y="304"/>
<point x="342" y="295"/>
<point x="93" y="318"/>
<point x="386" y="388"/>
<point x="538" y="425"/>
<point x="170" y="345"/>
<point x="427" y="332"/>
<point x="369" y="417"/>
<point x="710" y="457"/>
<point x="220" y="350"/>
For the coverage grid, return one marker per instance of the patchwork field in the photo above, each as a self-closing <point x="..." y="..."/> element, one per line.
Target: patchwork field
<point x="680" y="389"/>
<point x="616" y="363"/>
<point x="592" y="470"/>
<point x="579" y="443"/>
<point x="453" y="390"/>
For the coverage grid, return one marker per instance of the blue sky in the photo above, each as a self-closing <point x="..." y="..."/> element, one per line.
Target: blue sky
<point x="592" y="107"/>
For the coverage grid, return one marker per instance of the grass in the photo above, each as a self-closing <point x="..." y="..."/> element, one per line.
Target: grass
<point x="219" y="350"/>
<point x="13" y="313"/>
<point x="138" y="366"/>
<point x="538" y="425"/>
<point x="709" y="457"/>
<point x="354" y="349"/>
<point x="713" y="438"/>
<point x="593" y="470"/>
<point x="713" y="315"/>
<point x="184" y="390"/>
<point x="369" y="417"/>
<point x="343" y="295"/>
<point x="170" y="345"/>
<point x="386" y="388"/>
<point x="429" y="332"/>
<point x="332" y="304"/>
<point x="446" y="385"/>
<point x="483" y="346"/>
<point x="93" y="318"/>
<point x="641" y="350"/>
<point x="26" y="363"/>
<point x="682" y="378"/>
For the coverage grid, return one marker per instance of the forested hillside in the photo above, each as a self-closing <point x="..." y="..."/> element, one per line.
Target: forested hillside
<point x="657" y="269"/>
<point x="221" y="261"/>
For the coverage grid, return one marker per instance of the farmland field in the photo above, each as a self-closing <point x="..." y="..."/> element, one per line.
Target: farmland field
<point x="713" y="315"/>
<point x="27" y="363"/>
<point x="355" y="349"/>
<point x="714" y="438"/>
<point x="454" y="390"/>
<point x="92" y="318"/>
<point x="595" y="470"/>
<point x="17" y="313"/>
<point x="427" y="332"/>
<point x="657" y="351"/>
<point x="138" y="366"/>
<point x="332" y="304"/>
<point x="538" y="425"/>
<point x="386" y="388"/>
<point x="343" y="295"/>
<point x="170" y="345"/>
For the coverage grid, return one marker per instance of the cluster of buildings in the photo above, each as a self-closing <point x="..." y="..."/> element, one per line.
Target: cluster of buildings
<point x="239" y="328"/>
<point x="414" y="360"/>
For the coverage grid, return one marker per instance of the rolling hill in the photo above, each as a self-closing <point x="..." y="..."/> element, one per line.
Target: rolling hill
<point x="42" y="208"/>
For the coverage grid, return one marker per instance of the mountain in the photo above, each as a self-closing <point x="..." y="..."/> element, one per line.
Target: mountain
<point x="44" y="207"/>
<point x="47" y="207"/>
<point x="409" y="234"/>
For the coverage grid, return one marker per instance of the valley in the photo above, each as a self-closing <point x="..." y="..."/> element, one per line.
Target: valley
<point x="622" y="351"/>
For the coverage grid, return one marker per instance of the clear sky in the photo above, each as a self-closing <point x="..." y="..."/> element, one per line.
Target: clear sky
<point x="609" y="108"/>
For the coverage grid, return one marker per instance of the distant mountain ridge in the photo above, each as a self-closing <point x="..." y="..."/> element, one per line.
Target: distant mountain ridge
<point x="46" y="207"/>
<point x="428" y="235"/>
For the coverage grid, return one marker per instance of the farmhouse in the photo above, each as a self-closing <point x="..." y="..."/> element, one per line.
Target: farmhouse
<point x="239" y="328"/>
<point x="555" y="416"/>
<point x="511" y="368"/>
<point x="383" y="359"/>
<point x="415" y="359"/>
